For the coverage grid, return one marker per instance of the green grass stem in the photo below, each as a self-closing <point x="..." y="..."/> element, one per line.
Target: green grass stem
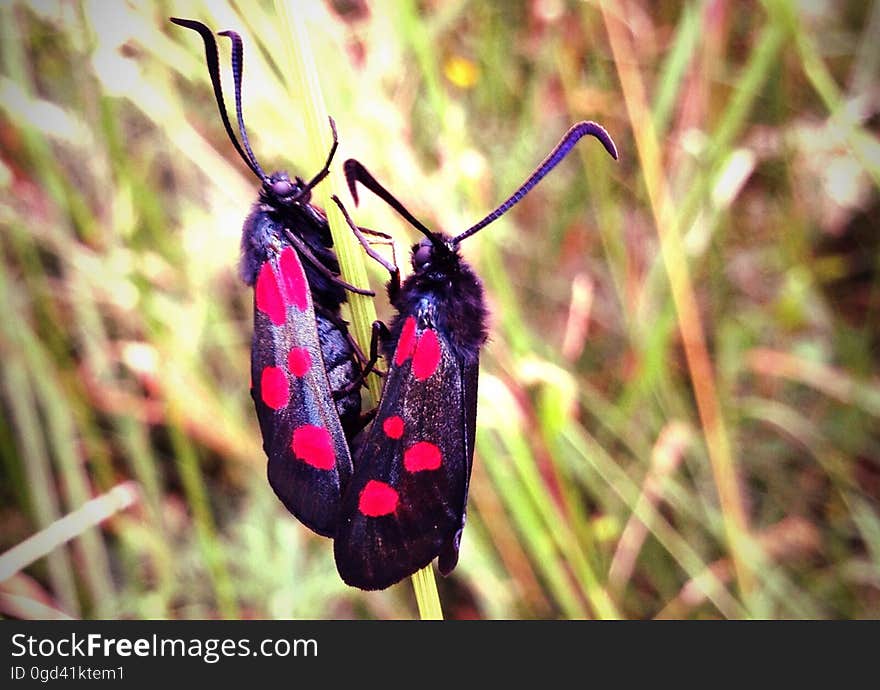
<point x="304" y="88"/>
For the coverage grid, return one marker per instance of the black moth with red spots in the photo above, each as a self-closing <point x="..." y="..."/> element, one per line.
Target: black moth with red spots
<point x="407" y="499"/>
<point x="305" y="369"/>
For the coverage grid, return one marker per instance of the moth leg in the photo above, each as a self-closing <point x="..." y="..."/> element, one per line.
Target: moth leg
<point x="375" y="233"/>
<point x="378" y="333"/>
<point x="386" y="240"/>
<point x="342" y="326"/>
<point x="306" y="253"/>
<point x="394" y="283"/>
<point x="392" y="268"/>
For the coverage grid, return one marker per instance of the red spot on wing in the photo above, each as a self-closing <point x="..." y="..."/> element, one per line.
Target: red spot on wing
<point x="273" y="388"/>
<point x="377" y="499"/>
<point x="427" y="355"/>
<point x="406" y="341"/>
<point x="314" y="446"/>
<point x="293" y="280"/>
<point x="393" y="427"/>
<point x="299" y="361"/>
<point x="268" y="295"/>
<point x="422" y="456"/>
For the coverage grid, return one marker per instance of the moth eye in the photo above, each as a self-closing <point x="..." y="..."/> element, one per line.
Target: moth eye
<point x="282" y="187"/>
<point x="422" y="256"/>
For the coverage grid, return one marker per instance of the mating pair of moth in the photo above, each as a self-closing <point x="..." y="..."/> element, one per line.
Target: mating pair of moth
<point x="390" y="486"/>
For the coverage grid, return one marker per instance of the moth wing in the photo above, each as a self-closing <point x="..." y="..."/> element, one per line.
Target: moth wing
<point x="309" y="460"/>
<point x="405" y="503"/>
<point x="448" y="557"/>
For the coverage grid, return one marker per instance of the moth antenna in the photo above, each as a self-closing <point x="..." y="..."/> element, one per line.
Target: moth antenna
<point x="322" y="173"/>
<point x="551" y="161"/>
<point x="355" y="172"/>
<point x="237" y="69"/>
<point x="213" y="61"/>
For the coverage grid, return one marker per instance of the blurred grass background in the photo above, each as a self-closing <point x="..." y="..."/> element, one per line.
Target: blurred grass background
<point x="679" y="401"/>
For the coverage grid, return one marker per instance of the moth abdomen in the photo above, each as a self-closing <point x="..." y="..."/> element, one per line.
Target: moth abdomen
<point x="341" y="370"/>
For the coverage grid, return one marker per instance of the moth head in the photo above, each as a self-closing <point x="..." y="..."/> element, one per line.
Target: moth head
<point x="278" y="189"/>
<point x="434" y="256"/>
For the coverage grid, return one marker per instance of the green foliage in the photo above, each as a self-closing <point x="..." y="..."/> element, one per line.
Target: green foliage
<point x="679" y="401"/>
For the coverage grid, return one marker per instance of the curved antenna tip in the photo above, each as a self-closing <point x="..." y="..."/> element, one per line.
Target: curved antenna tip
<point x="351" y="172"/>
<point x="598" y="131"/>
<point x="571" y="137"/>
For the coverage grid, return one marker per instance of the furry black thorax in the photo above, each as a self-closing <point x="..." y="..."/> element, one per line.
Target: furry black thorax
<point x="443" y="291"/>
<point x="264" y="234"/>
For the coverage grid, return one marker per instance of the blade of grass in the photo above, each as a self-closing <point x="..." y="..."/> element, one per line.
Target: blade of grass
<point x="555" y="524"/>
<point x="76" y="485"/>
<point x="665" y="458"/>
<point x="561" y="518"/>
<point x="523" y="514"/>
<point x="866" y="65"/>
<point x="483" y="496"/>
<point x="24" y="608"/>
<point x="188" y="466"/>
<point x="304" y="87"/>
<point x="21" y="401"/>
<point x="689" y="319"/>
<point x="687" y="35"/>
<point x="862" y="144"/>
<point x="43" y="497"/>
<point x="595" y="456"/>
<point x="864" y="514"/>
<point x="509" y="462"/>
<point x="831" y="381"/>
<point x="71" y="526"/>
<point x="422" y="45"/>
